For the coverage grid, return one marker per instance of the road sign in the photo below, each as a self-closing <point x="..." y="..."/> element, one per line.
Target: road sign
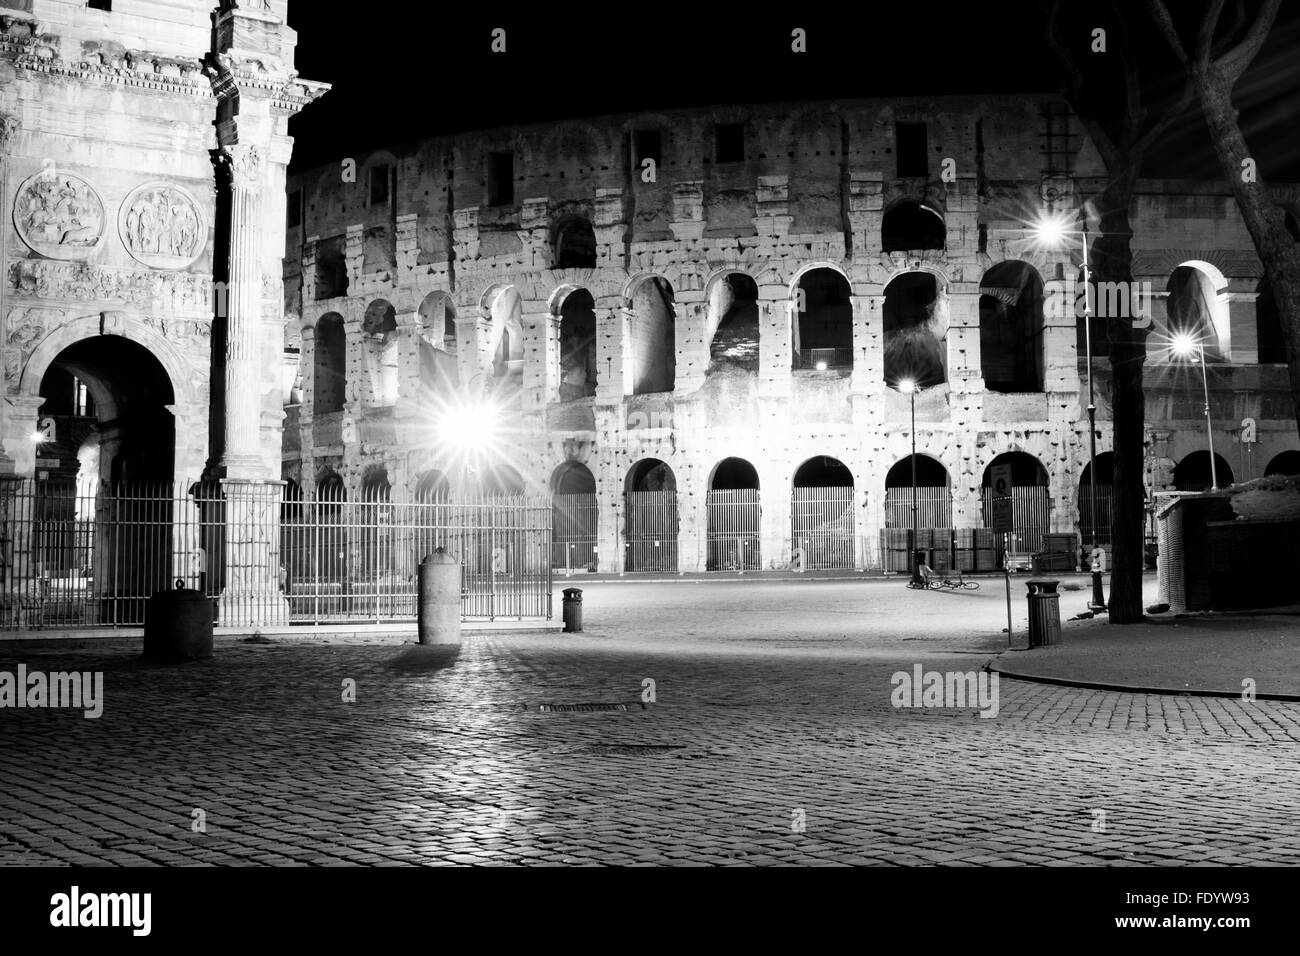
<point x="1002" y="522"/>
<point x="1000" y="481"/>
<point x="1000" y="485"/>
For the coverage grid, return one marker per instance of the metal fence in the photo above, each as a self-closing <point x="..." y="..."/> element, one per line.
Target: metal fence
<point x="574" y="520"/>
<point x="1105" y="502"/>
<point x="1031" y="510"/>
<point x="89" y="557"/>
<point x="733" y="530"/>
<point x="359" y="560"/>
<point x="821" y="526"/>
<point x="933" y="507"/>
<point x="824" y="358"/>
<point x="650" y="531"/>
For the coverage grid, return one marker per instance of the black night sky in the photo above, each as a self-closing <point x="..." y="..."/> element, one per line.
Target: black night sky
<point x="421" y="70"/>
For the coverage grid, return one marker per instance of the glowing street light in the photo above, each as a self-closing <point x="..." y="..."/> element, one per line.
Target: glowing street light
<point x="1185" y="345"/>
<point x="1054" y="231"/>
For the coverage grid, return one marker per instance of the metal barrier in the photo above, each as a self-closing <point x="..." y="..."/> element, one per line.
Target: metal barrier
<point x="733" y="530"/>
<point x="821" y="524"/>
<point x="83" y="557"/>
<point x="650" y="531"/>
<point x="574" y="522"/>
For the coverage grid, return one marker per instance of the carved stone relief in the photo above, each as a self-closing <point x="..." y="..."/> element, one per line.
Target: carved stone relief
<point x="59" y="215"/>
<point x="163" y="226"/>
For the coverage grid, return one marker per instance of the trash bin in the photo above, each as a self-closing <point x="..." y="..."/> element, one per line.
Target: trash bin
<point x="573" y="610"/>
<point x="1044" y="612"/>
<point x="178" y="626"/>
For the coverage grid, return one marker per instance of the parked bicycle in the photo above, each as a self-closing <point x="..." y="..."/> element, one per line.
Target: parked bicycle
<point x="930" y="580"/>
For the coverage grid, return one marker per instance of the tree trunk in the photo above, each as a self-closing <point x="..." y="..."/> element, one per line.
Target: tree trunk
<point x="1113" y="258"/>
<point x="1274" y="245"/>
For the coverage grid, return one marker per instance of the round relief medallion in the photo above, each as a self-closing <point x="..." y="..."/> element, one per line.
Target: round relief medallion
<point x="162" y="226"/>
<point x="59" y="215"/>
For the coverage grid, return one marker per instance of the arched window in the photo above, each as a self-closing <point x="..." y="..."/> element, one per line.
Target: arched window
<point x="1011" y="328"/>
<point x="380" y="341"/>
<point x="823" y="327"/>
<point x="914" y="328"/>
<point x="577" y="346"/>
<point x="652" y="334"/>
<point x="912" y="226"/>
<point x="575" y="244"/>
<point x="1193" y="472"/>
<point x="329" y="374"/>
<point x="1194" y="308"/>
<point x="733" y="323"/>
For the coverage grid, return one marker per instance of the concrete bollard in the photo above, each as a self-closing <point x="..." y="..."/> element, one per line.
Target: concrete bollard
<point x="439" y="600"/>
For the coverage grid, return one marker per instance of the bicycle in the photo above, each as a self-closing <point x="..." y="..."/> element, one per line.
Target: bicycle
<point x="933" y="582"/>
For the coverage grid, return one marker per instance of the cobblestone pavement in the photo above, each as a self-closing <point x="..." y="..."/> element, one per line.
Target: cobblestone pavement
<point x="759" y="725"/>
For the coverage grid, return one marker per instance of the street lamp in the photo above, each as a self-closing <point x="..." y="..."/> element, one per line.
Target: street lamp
<point x="1184" y="345"/>
<point x="909" y="388"/>
<point x="1051" y="231"/>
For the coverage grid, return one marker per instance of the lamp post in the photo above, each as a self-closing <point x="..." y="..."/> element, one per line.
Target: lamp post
<point x="1184" y="345"/>
<point x="1052" y="231"/>
<point x="908" y="387"/>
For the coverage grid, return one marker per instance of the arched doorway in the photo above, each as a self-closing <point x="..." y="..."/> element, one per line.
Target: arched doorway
<point x="574" y="517"/>
<point x="933" y="515"/>
<point x="652" y="337"/>
<point x="577" y="352"/>
<point x="329" y="549"/>
<point x="650" y="517"/>
<point x="1287" y="463"/>
<point x="1103" y="493"/>
<point x="821" y="515"/>
<point x="1011" y="328"/>
<point x="732" y="318"/>
<point x="104" y="536"/>
<point x="1193" y="472"/>
<point x="374" y="513"/>
<point x="911" y="226"/>
<point x="734" y="517"/>
<point x="329" y="365"/>
<point x="1030" y="502"/>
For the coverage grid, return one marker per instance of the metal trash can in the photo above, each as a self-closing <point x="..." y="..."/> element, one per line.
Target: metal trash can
<point x="1044" y="612"/>
<point x="178" y="626"/>
<point x="573" y="610"/>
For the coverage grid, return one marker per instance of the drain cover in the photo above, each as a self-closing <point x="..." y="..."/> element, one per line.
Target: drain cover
<point x="634" y="750"/>
<point x="583" y="708"/>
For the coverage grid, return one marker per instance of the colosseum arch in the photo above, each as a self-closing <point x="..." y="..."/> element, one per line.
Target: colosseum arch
<point x="438" y="344"/>
<point x="915" y="326"/>
<point x="1012" y="344"/>
<point x="1193" y="472"/>
<point x="734" y="515"/>
<point x="380" y="352"/>
<point x="731" y="322"/>
<point x="911" y="225"/>
<point x="1284" y="463"/>
<point x="822" y="514"/>
<point x="504" y="309"/>
<point x="1197" y="305"/>
<point x="1030" y="498"/>
<point x="576" y="372"/>
<point x="574" y="243"/>
<point x="329" y="365"/>
<point x="651" y="331"/>
<point x="651" y="520"/>
<point x="574" y="517"/>
<point x="822" y="325"/>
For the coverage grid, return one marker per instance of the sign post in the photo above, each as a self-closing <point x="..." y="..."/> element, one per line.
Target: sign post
<point x="1003" y="524"/>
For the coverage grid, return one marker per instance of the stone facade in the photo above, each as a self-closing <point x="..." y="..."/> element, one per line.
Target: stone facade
<point x="463" y="259"/>
<point x="142" y="164"/>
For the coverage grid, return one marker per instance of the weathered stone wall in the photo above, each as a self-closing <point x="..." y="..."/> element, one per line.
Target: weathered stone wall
<point x="811" y="192"/>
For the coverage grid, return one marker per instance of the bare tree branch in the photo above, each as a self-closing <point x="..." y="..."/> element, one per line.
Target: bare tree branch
<point x="1205" y="35"/>
<point x="1160" y="14"/>
<point x="1075" y="86"/>
<point x="1233" y="63"/>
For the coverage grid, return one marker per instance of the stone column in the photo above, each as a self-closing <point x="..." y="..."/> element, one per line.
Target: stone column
<point x="1241" y="323"/>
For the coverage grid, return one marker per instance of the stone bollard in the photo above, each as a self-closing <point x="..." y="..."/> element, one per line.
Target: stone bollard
<point x="439" y="600"/>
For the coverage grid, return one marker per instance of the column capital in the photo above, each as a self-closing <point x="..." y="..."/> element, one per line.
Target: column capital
<point x="245" y="163"/>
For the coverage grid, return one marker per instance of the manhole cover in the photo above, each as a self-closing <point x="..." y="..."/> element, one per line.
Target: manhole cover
<point x="585" y="708"/>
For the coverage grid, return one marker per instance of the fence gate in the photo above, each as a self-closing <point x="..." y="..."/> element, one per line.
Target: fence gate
<point x="821" y="524"/>
<point x="1031" y="509"/>
<point x="359" y="560"/>
<point x="650" y="531"/>
<point x="574" y="520"/>
<point x="733" y="532"/>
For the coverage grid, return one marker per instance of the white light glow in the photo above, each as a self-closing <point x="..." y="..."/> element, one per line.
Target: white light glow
<point x="470" y="427"/>
<point x="907" y="386"/>
<point x="37" y="438"/>
<point x="1184" y="344"/>
<point x="1052" y="230"/>
<point x="821" y="366"/>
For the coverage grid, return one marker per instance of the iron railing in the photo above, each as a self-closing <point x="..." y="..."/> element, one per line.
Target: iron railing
<point x="650" y="531"/>
<point x="933" y="506"/>
<point x="1031" y="512"/>
<point x="84" y="557"/>
<point x="733" y="530"/>
<point x="575" y="520"/>
<point x="822" y="527"/>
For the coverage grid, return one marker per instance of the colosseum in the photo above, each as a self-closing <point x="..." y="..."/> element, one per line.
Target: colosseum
<point x="698" y="329"/>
